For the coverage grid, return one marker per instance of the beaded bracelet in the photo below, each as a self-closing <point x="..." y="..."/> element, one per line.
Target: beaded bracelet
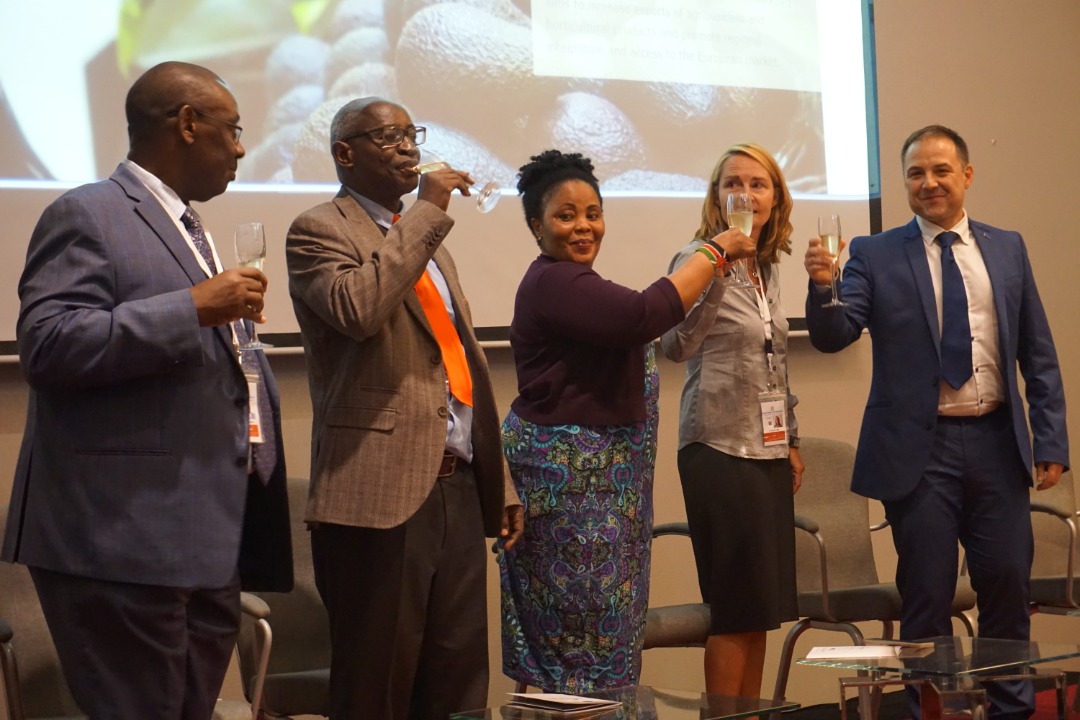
<point x="718" y="251"/>
<point x="709" y="253"/>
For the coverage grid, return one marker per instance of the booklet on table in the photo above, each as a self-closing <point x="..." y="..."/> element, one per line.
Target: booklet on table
<point x="567" y="705"/>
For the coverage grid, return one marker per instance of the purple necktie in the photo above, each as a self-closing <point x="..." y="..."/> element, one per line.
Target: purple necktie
<point x="264" y="455"/>
<point x="955" y="327"/>
<point x="198" y="238"/>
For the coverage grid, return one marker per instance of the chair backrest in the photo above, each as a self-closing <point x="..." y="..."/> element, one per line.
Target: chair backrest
<point x="843" y="518"/>
<point x="1052" y="536"/>
<point x="301" y="630"/>
<point x="683" y="625"/>
<point x="42" y="687"/>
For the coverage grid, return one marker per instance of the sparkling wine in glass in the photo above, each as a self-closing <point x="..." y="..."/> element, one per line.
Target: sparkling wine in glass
<point x="487" y="197"/>
<point x="740" y="214"/>
<point x="251" y="252"/>
<point x="430" y="162"/>
<point x="829" y="232"/>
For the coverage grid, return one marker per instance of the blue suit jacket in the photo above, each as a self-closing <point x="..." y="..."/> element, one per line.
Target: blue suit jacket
<point x="887" y="287"/>
<point x="133" y="465"/>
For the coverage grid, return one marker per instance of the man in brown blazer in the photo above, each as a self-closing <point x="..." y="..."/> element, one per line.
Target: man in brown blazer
<point x="407" y="472"/>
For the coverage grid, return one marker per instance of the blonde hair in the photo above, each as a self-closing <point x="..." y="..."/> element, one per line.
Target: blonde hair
<point x="776" y="233"/>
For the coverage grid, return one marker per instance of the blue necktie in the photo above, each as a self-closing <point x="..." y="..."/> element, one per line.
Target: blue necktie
<point x="955" y="327"/>
<point x="264" y="455"/>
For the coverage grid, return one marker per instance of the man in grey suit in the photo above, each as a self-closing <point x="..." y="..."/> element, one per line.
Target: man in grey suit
<point x="141" y="502"/>
<point x="944" y="442"/>
<point x="407" y="472"/>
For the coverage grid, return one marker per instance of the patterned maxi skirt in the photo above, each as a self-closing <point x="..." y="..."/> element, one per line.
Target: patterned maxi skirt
<point x="575" y="587"/>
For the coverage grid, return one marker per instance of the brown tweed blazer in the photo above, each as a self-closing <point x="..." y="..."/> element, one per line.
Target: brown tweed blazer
<point x="378" y="387"/>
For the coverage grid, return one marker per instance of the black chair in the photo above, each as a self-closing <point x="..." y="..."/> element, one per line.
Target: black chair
<point x="1056" y="567"/>
<point x="685" y="625"/>
<point x="1055" y="587"/>
<point x="837" y="577"/>
<point x="284" y="643"/>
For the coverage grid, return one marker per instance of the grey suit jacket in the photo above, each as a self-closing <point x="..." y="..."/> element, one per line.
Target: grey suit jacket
<point x="133" y="465"/>
<point x="378" y="386"/>
<point x="887" y="288"/>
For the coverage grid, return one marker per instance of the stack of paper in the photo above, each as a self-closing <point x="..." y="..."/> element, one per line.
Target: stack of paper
<point x="568" y="705"/>
<point x="878" y="649"/>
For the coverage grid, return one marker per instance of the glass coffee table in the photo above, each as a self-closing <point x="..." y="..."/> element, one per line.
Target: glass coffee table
<point x="641" y="702"/>
<point x="955" y="665"/>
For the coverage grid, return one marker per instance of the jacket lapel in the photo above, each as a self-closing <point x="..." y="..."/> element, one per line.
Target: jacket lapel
<point x="354" y="212"/>
<point x="992" y="261"/>
<point x="924" y="285"/>
<point x="151" y="212"/>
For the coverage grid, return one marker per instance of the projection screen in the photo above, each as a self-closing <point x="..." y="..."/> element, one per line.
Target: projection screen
<point x="652" y="90"/>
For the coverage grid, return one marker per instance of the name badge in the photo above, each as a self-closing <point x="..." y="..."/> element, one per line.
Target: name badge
<point x="255" y="431"/>
<point x="774" y="430"/>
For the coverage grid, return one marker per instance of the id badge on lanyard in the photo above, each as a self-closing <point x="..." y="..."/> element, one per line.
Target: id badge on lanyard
<point x="773" y="400"/>
<point x="255" y="431"/>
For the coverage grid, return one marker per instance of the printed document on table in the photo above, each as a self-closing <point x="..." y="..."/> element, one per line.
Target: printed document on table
<point x="567" y="705"/>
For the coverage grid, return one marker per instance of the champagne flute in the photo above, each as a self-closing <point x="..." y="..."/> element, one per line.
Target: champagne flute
<point x="487" y="197"/>
<point x="740" y="214"/>
<point x="251" y="252"/>
<point x="828" y="227"/>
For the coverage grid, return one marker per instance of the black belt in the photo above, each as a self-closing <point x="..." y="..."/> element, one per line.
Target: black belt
<point x="449" y="465"/>
<point x="996" y="415"/>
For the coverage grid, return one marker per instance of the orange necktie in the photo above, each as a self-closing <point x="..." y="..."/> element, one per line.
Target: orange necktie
<point x="453" y="354"/>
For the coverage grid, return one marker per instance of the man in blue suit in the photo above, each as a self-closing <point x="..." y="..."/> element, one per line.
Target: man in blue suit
<point x="143" y="497"/>
<point x="944" y="441"/>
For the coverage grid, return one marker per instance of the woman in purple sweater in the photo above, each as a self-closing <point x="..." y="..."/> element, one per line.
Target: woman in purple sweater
<point x="580" y="437"/>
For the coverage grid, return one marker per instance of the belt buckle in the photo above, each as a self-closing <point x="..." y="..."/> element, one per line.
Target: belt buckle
<point x="448" y="465"/>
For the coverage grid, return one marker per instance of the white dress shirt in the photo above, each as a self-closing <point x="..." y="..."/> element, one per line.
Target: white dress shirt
<point x="984" y="391"/>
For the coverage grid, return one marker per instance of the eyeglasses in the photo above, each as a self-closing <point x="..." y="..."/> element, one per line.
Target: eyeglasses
<point x="390" y="136"/>
<point x="237" y="130"/>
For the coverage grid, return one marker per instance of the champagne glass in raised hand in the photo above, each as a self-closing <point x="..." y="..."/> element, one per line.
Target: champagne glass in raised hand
<point x="740" y="214"/>
<point x="251" y="252"/>
<point x="829" y="232"/>
<point x="487" y="197"/>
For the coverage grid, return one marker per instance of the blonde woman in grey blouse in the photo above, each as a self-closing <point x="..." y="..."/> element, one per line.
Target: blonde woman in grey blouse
<point x="739" y="462"/>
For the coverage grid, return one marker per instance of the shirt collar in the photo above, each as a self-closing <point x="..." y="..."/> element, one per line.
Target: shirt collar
<point x="930" y="231"/>
<point x="164" y="194"/>
<point x="378" y="213"/>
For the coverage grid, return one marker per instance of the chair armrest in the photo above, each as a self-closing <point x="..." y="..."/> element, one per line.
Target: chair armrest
<point x="254" y="606"/>
<point x="671" y="528"/>
<point x="879" y="526"/>
<point x="806" y="524"/>
<point x="1050" y="510"/>
<point x="810" y="526"/>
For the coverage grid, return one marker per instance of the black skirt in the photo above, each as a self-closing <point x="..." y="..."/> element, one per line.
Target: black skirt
<point x="741" y="516"/>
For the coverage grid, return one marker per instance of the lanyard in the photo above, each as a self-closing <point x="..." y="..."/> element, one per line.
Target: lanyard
<point x="767" y="326"/>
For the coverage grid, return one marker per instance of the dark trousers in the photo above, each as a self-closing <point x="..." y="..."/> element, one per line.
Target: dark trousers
<point x="140" y="651"/>
<point x="407" y="609"/>
<point x="974" y="491"/>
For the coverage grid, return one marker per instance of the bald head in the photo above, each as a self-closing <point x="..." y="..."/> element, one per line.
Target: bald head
<point x="184" y="127"/>
<point x="161" y="90"/>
